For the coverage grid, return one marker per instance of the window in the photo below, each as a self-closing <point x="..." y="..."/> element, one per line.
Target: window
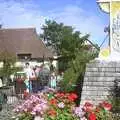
<point x="24" y="56"/>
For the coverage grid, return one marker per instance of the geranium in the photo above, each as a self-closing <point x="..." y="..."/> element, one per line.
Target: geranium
<point x="106" y="105"/>
<point x="88" y="107"/>
<point x="61" y="105"/>
<point x="92" y="116"/>
<point x="52" y="113"/>
<point x="60" y="95"/>
<point x="53" y="101"/>
<point x="72" y="97"/>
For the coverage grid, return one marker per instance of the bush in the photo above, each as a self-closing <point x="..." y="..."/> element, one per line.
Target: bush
<point x="76" y="70"/>
<point x="115" y="97"/>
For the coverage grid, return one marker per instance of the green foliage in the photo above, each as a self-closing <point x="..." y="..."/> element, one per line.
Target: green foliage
<point x="106" y="115"/>
<point x="70" y="46"/>
<point x="76" y="70"/>
<point x="62" y="38"/>
<point x="8" y="64"/>
<point x="115" y="103"/>
<point x="24" y="116"/>
<point x="103" y="115"/>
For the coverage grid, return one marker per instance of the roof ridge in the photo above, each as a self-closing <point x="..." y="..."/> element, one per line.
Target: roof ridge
<point x="17" y="28"/>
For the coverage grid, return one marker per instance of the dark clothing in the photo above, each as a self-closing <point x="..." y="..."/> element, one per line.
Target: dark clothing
<point x="34" y="86"/>
<point x="20" y="87"/>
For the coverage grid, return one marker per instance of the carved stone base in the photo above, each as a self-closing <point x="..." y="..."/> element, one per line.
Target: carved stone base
<point x="99" y="80"/>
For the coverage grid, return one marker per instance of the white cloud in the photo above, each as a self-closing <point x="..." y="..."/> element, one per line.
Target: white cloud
<point x="82" y="20"/>
<point x="14" y="14"/>
<point x="27" y="14"/>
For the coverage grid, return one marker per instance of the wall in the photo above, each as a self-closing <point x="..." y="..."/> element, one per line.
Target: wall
<point x="99" y="80"/>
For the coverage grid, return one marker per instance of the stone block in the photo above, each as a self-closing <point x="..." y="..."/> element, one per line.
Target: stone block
<point x="106" y="69"/>
<point x="95" y="74"/>
<point x="100" y="83"/>
<point x="117" y="69"/>
<point x="99" y="80"/>
<point x="117" y="75"/>
<point x="86" y="79"/>
<point x="91" y="69"/>
<point x="110" y="74"/>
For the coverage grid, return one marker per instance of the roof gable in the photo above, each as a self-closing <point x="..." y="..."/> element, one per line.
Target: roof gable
<point x="23" y="41"/>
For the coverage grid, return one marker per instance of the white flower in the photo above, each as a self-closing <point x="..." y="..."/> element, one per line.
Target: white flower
<point x="61" y="105"/>
<point x="83" y="118"/>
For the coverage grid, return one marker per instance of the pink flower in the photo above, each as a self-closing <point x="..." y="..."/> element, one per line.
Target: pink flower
<point x="106" y="105"/>
<point x="88" y="107"/>
<point x="78" y="111"/>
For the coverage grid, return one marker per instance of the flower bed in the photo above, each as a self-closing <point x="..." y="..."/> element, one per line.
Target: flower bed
<point x="61" y="106"/>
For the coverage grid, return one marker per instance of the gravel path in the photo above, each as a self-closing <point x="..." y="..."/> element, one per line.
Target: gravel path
<point x="7" y="110"/>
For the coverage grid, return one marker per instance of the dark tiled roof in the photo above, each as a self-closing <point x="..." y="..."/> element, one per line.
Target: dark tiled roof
<point x="23" y="41"/>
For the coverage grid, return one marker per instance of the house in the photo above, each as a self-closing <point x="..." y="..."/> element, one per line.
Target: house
<point x="25" y="44"/>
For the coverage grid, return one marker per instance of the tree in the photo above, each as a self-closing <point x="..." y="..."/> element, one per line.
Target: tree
<point x="70" y="46"/>
<point x="8" y="68"/>
<point x="63" y="39"/>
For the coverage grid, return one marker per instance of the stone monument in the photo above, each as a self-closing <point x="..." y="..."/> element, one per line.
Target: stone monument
<point x="102" y="72"/>
<point x="112" y="7"/>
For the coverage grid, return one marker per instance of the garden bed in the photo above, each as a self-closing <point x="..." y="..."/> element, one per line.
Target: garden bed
<point x="61" y="106"/>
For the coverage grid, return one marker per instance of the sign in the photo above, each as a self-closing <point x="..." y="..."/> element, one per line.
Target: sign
<point x="104" y="53"/>
<point x="115" y="23"/>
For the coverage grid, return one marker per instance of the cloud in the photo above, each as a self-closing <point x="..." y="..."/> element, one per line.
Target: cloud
<point x="15" y="14"/>
<point x="82" y="20"/>
<point x="28" y="14"/>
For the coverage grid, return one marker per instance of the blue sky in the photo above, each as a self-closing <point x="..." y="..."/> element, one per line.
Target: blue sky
<point x="83" y="15"/>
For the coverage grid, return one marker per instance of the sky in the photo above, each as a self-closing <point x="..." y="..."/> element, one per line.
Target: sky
<point x="83" y="15"/>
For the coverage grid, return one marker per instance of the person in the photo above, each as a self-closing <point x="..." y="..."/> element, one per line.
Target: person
<point x="29" y="73"/>
<point x="34" y="79"/>
<point x="53" y="80"/>
<point x="37" y="69"/>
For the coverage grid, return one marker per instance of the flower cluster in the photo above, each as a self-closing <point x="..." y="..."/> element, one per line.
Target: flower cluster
<point x="49" y="105"/>
<point x="35" y="105"/>
<point x="60" y="104"/>
<point x="56" y="106"/>
<point x="91" y="112"/>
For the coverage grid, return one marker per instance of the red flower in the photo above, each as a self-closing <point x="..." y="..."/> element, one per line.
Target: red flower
<point x="25" y="94"/>
<point x="72" y="97"/>
<point x="92" y="116"/>
<point x="52" y="112"/>
<point x="53" y="101"/>
<point x="60" y="95"/>
<point x="106" y="105"/>
<point x="88" y="107"/>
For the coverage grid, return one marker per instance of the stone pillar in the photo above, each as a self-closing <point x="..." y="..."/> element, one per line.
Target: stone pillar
<point x="99" y="80"/>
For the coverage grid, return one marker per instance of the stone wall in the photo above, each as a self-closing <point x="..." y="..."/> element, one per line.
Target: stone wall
<point x="99" y="80"/>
